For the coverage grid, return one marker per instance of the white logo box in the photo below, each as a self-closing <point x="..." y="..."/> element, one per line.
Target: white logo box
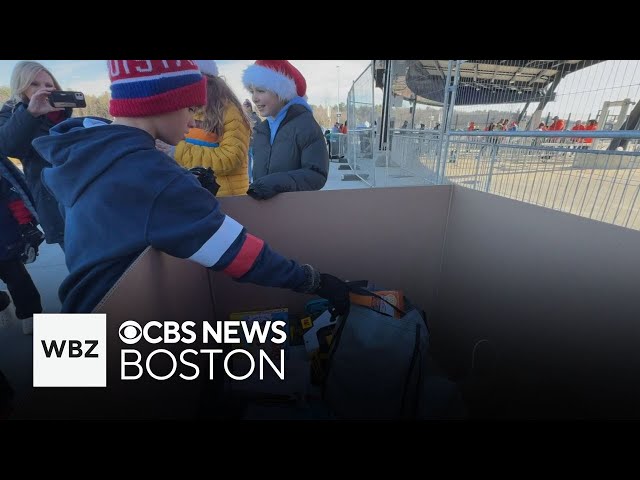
<point x="77" y="347"/>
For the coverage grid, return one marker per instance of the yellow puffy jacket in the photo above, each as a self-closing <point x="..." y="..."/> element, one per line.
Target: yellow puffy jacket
<point x="229" y="159"/>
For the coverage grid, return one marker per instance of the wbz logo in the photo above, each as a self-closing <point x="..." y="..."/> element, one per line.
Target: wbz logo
<point x="74" y="348"/>
<point x="69" y="350"/>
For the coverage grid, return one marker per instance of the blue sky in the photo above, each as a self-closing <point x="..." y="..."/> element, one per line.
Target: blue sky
<point x="90" y="76"/>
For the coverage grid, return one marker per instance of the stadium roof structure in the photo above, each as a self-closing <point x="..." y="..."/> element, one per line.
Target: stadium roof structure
<point x="483" y="82"/>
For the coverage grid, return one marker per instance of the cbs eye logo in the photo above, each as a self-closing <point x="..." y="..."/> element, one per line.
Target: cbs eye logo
<point x="130" y="332"/>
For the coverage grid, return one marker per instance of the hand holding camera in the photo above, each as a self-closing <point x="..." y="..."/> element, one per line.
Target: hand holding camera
<point x="63" y="99"/>
<point x="39" y="103"/>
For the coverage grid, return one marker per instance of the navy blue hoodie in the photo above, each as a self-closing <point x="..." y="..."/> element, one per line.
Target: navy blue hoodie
<point x="120" y="194"/>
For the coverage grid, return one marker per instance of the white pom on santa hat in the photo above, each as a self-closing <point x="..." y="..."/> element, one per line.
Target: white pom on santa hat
<point x="208" y="67"/>
<point x="279" y="76"/>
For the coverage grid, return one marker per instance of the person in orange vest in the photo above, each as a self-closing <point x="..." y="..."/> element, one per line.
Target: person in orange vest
<point x="591" y="125"/>
<point x="578" y="127"/>
<point x="557" y="125"/>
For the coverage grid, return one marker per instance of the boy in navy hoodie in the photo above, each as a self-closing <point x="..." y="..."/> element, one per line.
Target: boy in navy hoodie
<point x="17" y="230"/>
<point x="121" y="195"/>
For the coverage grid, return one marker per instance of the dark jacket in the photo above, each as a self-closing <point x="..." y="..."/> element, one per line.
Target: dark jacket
<point x="298" y="159"/>
<point x="120" y="195"/>
<point x="18" y="183"/>
<point x="17" y="130"/>
<point x="10" y="205"/>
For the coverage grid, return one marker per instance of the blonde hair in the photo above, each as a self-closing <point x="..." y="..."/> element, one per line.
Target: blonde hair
<point x="219" y="95"/>
<point x="23" y="74"/>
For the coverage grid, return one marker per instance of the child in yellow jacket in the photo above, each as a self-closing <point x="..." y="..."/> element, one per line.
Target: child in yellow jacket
<point x="221" y="139"/>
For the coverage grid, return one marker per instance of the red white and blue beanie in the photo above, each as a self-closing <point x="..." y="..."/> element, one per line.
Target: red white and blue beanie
<point x="208" y="67"/>
<point x="142" y="88"/>
<point x="279" y="76"/>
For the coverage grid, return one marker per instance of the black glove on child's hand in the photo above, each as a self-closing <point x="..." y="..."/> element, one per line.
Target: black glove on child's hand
<point x="259" y="191"/>
<point x="32" y="238"/>
<point x="207" y="178"/>
<point x="271" y="185"/>
<point x="31" y="234"/>
<point x="336" y="291"/>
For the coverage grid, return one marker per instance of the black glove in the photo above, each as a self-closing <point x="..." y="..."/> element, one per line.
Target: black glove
<point x="31" y="234"/>
<point x="336" y="291"/>
<point x="32" y="238"/>
<point x="207" y="179"/>
<point x="260" y="191"/>
<point x="271" y="185"/>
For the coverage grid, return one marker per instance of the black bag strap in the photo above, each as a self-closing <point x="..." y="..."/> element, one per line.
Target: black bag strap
<point x="355" y="287"/>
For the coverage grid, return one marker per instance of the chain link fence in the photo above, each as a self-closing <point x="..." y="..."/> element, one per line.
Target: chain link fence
<point x="562" y="134"/>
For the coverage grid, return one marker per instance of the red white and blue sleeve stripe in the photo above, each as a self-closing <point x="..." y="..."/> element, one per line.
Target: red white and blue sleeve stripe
<point x="186" y="222"/>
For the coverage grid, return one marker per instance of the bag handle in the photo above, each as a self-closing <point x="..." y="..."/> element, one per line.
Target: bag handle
<point x="359" y="290"/>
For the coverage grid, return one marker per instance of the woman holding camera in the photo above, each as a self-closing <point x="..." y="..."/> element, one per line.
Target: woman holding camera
<point x="25" y="116"/>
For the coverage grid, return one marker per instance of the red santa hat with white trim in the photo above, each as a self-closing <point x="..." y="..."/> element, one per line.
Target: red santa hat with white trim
<point x="279" y="76"/>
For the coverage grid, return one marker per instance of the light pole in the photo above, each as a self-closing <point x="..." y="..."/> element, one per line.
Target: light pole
<point x="338" y="114"/>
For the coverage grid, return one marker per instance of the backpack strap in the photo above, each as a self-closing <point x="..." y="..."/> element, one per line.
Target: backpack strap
<point x="355" y="287"/>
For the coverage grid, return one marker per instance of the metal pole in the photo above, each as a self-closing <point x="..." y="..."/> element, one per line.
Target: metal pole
<point x="338" y="116"/>
<point x="383" y="128"/>
<point x="372" y="135"/>
<point x="440" y="147"/>
<point x="413" y="116"/>
<point x="449" y="114"/>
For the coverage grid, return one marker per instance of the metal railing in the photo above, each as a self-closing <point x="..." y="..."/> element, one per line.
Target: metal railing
<point x="575" y="171"/>
<point x="361" y="151"/>
<point x="554" y="170"/>
<point x="337" y="145"/>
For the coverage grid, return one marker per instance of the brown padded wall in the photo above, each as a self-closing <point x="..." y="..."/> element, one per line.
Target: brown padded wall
<point x="557" y="297"/>
<point x="393" y="236"/>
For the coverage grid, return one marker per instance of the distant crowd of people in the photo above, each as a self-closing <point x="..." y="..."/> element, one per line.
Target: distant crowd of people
<point x="506" y="125"/>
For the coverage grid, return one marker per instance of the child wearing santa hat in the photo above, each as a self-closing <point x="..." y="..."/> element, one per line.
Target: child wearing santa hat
<point x="289" y="151"/>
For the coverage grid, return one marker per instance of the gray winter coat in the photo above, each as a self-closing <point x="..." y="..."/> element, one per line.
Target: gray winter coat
<point x="298" y="159"/>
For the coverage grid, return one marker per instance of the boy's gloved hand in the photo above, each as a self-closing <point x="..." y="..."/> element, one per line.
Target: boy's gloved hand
<point x="259" y="191"/>
<point x="336" y="291"/>
<point x="326" y="286"/>
<point x="271" y="185"/>
<point x="207" y="179"/>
